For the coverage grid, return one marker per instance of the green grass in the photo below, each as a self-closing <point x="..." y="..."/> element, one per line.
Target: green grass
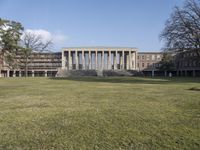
<point x="100" y="113"/>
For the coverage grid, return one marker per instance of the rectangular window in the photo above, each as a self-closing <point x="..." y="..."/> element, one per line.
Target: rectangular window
<point x="152" y="57"/>
<point x="158" y="57"/>
<point x="142" y="56"/>
<point x="147" y="57"/>
<point x="142" y="64"/>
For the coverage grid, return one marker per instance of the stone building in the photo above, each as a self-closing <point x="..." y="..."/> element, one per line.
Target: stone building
<point x="148" y="62"/>
<point x="99" y="58"/>
<point x="39" y="64"/>
<point x="187" y="63"/>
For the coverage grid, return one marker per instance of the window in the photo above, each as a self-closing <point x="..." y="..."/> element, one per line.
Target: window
<point x="147" y="57"/>
<point x="142" y="56"/>
<point x="153" y="57"/>
<point x="158" y="57"/>
<point x="142" y="64"/>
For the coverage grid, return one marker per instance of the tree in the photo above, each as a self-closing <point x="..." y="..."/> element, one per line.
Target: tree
<point x="10" y="32"/>
<point x="167" y="63"/>
<point x="32" y="43"/>
<point x="182" y="29"/>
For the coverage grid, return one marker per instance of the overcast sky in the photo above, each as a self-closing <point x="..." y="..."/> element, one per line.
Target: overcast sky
<point x="131" y="23"/>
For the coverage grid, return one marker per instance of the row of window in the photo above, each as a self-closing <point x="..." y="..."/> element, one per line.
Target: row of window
<point x="190" y="64"/>
<point x="189" y="54"/>
<point x="45" y="64"/>
<point x="152" y="65"/>
<point x="149" y="57"/>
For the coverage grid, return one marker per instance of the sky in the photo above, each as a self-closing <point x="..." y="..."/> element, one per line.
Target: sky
<point x="74" y="23"/>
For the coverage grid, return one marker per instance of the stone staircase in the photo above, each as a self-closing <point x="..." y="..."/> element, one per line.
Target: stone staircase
<point x="75" y="73"/>
<point x="117" y="73"/>
<point x="99" y="73"/>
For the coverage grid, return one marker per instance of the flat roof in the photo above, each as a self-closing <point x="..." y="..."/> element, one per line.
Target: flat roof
<point x="99" y="47"/>
<point x="150" y="52"/>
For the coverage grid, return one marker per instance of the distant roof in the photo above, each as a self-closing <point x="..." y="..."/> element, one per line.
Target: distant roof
<point x="150" y="52"/>
<point x="106" y="47"/>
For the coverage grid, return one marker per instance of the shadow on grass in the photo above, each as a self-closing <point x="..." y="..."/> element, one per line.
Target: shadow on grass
<point x="194" y="89"/>
<point x="132" y="80"/>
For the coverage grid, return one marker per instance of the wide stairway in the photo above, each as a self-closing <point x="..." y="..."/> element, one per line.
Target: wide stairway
<point x="100" y="73"/>
<point x="75" y="73"/>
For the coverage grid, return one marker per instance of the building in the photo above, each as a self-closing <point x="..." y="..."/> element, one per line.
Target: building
<point x="99" y="58"/>
<point x="187" y="63"/>
<point x="148" y="62"/>
<point x="86" y="58"/>
<point x="39" y="64"/>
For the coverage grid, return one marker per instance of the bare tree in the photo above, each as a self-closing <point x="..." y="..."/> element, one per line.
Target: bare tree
<point x="182" y="29"/>
<point x="32" y="43"/>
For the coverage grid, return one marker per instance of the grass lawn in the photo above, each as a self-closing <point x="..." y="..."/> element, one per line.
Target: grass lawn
<point x="100" y="113"/>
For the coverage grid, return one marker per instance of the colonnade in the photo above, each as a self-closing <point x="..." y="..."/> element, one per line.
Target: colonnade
<point x="99" y="58"/>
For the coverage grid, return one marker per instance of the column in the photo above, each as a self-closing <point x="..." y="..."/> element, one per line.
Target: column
<point x="45" y="73"/>
<point x="177" y="73"/>
<point x="63" y="59"/>
<point x="127" y="61"/>
<point x="33" y="73"/>
<point x="20" y="74"/>
<point x="193" y="73"/>
<point x="165" y="72"/>
<point x="152" y="73"/>
<point x="96" y="60"/>
<point x="89" y="57"/>
<point x="14" y="73"/>
<point x="133" y="60"/>
<point x="69" y="60"/>
<point x="83" y="60"/>
<point x="115" y="60"/>
<point x="122" y="59"/>
<point x="185" y="73"/>
<point x="136" y="68"/>
<point x="102" y="60"/>
<point x="76" y="59"/>
<point x="8" y="73"/>
<point x="109" y="62"/>
<point x="130" y="60"/>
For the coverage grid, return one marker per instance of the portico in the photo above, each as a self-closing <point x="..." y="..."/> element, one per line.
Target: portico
<point x="99" y="58"/>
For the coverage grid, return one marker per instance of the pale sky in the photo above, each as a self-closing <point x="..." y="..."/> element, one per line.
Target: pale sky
<point x="72" y="23"/>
